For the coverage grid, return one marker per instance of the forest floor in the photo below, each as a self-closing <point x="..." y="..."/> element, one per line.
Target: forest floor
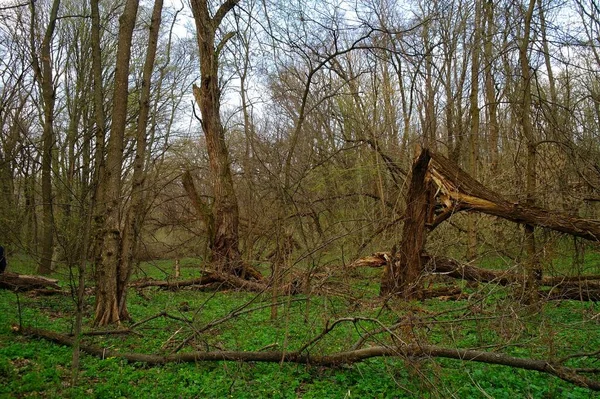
<point x="488" y="319"/>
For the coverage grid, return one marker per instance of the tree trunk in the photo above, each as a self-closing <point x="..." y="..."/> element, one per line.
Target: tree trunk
<point x="401" y="276"/>
<point x="100" y="128"/>
<point x="225" y="249"/>
<point x="135" y="215"/>
<point x="474" y="128"/>
<point x="107" y="269"/>
<point x="42" y="67"/>
<point x="490" y="91"/>
<point x="533" y="272"/>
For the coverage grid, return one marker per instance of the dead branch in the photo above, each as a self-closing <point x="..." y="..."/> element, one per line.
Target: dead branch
<point x="334" y="359"/>
<point x="24" y="282"/>
<point x="579" y="288"/>
<point x="228" y="280"/>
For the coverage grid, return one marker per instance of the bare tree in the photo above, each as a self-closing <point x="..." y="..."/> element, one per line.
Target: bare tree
<point x="109" y="308"/>
<point x="42" y="66"/>
<point x="225" y="210"/>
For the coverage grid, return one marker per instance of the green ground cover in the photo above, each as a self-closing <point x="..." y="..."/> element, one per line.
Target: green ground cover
<point x="489" y="319"/>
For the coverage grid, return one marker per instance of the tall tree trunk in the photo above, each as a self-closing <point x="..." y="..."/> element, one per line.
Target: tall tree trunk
<point x="401" y="275"/>
<point x="225" y="248"/>
<point x="42" y="67"/>
<point x="107" y="286"/>
<point x="133" y="222"/>
<point x="532" y="270"/>
<point x="474" y="120"/>
<point x="100" y="136"/>
<point x="490" y="91"/>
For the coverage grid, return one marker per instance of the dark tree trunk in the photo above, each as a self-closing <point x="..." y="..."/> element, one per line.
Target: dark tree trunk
<point x="402" y="274"/>
<point x="438" y="189"/>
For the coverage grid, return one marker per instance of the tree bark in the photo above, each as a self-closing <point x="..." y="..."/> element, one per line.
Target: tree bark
<point x="458" y="192"/>
<point x="225" y="249"/>
<point x="42" y="68"/>
<point x="107" y="269"/>
<point x="532" y="271"/>
<point x="403" y="272"/>
<point x="23" y="282"/>
<point x="334" y="359"/>
<point x="135" y="214"/>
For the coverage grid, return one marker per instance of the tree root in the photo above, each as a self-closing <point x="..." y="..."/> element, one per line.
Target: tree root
<point x="332" y="360"/>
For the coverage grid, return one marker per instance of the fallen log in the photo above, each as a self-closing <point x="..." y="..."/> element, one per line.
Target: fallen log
<point x="228" y="280"/>
<point x="580" y="288"/>
<point x="25" y="282"/>
<point x="331" y="360"/>
<point x="453" y="268"/>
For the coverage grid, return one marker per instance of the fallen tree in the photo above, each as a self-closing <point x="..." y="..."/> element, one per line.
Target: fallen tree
<point x="229" y="280"/>
<point x="223" y="279"/>
<point x="332" y="360"/>
<point x="438" y="189"/>
<point x="583" y="288"/>
<point x="25" y="282"/>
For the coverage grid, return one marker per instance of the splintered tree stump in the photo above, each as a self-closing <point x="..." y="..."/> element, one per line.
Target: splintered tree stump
<point x="401" y="275"/>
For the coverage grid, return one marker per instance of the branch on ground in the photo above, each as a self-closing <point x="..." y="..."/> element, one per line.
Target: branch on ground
<point x="24" y="282"/>
<point x="332" y="360"/>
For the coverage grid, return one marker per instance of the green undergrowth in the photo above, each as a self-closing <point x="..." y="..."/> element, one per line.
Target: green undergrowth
<point x="488" y="319"/>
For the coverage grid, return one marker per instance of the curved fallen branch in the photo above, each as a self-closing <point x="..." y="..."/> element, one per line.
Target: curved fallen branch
<point x="333" y="360"/>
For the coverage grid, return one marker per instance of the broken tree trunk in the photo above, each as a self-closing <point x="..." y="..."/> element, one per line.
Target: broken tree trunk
<point x="458" y="191"/>
<point x="578" y="288"/>
<point x="402" y="274"/>
<point x="438" y="189"/>
<point x="229" y="280"/>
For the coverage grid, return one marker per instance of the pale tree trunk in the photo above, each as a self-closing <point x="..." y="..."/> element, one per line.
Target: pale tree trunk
<point x="107" y="278"/>
<point x="225" y="247"/>
<point x="135" y="215"/>
<point x="532" y="270"/>
<point x="42" y="67"/>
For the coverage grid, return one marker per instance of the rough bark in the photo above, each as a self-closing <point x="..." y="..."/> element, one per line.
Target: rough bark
<point x="229" y="281"/>
<point x="42" y="67"/>
<point x="135" y="214"/>
<point x="402" y="274"/>
<point x="438" y="189"/>
<point x="334" y="359"/>
<point x="225" y="251"/>
<point x="579" y="288"/>
<point x="532" y="270"/>
<point x="107" y="279"/>
<point x="458" y="192"/>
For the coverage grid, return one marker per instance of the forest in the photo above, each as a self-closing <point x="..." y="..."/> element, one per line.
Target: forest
<point x="300" y="199"/>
